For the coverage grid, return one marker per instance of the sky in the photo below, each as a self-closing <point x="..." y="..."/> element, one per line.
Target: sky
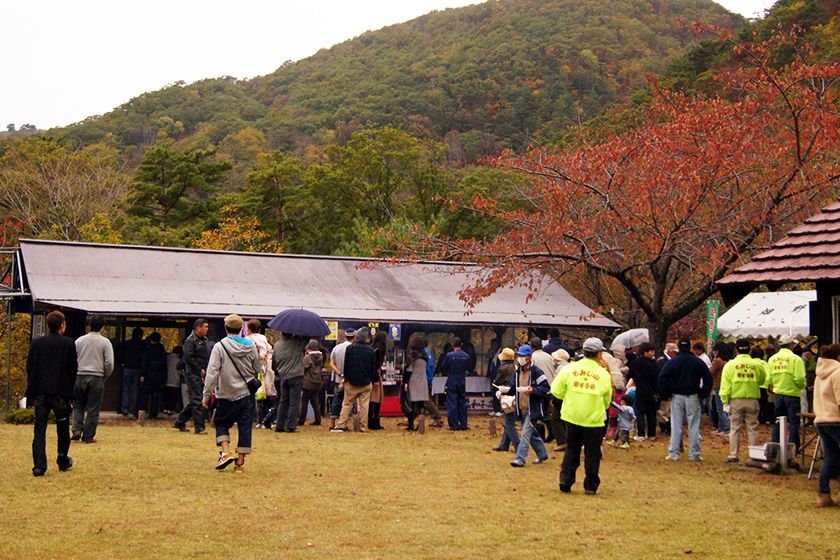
<point x="63" y="61"/>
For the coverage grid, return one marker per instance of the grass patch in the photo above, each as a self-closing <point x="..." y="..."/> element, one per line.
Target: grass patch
<point x="152" y="491"/>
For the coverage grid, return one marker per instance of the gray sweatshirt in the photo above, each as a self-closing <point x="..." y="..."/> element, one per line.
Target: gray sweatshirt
<point x="95" y="355"/>
<point x="288" y="357"/>
<point x="222" y="376"/>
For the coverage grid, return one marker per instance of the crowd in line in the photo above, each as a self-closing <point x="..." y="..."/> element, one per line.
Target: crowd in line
<point x="576" y="401"/>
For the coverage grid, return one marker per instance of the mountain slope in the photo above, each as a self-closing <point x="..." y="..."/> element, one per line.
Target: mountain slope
<point x="488" y="76"/>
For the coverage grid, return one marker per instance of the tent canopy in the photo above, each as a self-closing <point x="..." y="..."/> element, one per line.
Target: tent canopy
<point x="762" y="314"/>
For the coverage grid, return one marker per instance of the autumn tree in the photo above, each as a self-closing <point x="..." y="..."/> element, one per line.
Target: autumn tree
<point x="54" y="191"/>
<point x="662" y="211"/>
<point x="237" y="233"/>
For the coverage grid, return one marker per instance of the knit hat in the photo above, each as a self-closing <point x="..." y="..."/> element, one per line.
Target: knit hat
<point x="233" y="321"/>
<point x="507" y="354"/>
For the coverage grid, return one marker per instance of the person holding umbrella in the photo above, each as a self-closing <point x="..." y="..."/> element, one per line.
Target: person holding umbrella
<point x="296" y="327"/>
<point x="288" y="379"/>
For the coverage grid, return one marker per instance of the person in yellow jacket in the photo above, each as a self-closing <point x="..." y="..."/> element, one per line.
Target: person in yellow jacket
<point x="740" y="390"/>
<point x="585" y="389"/>
<point x="787" y="381"/>
<point x="765" y="406"/>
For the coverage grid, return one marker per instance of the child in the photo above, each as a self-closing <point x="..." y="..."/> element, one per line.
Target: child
<point x="626" y="419"/>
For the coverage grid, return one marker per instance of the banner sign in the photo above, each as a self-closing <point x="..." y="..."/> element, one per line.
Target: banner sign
<point x="712" y="311"/>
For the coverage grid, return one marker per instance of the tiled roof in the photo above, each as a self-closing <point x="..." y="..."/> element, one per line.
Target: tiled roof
<point x="810" y="252"/>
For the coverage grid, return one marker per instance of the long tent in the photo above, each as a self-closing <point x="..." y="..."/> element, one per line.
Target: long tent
<point x="156" y="281"/>
<point x="764" y="314"/>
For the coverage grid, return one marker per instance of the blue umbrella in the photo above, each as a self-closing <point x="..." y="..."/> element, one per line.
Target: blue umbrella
<point x="300" y="322"/>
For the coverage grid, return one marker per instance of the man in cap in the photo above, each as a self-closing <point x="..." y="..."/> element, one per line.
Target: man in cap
<point x="454" y="367"/>
<point x="233" y="362"/>
<point x="585" y="388"/>
<point x="337" y="367"/>
<point x="787" y="381"/>
<point x="686" y="380"/>
<point x="740" y="391"/>
<point x="530" y="389"/>
<point x="360" y="369"/>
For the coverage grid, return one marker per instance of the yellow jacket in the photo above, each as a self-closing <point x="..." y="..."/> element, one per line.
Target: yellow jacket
<point x="741" y="379"/>
<point x="586" y="391"/>
<point x="787" y="373"/>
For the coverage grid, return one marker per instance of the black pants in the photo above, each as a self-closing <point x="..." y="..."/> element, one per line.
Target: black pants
<point x="590" y="440"/>
<point x="765" y="409"/>
<point x="288" y="406"/>
<point x="313" y="397"/>
<point x="193" y="408"/>
<point x="61" y="407"/>
<point x="149" y="391"/>
<point x="558" y="427"/>
<point x="373" y="416"/>
<point x="646" y="419"/>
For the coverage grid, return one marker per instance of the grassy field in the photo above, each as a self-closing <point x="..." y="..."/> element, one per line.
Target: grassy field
<point x="152" y="492"/>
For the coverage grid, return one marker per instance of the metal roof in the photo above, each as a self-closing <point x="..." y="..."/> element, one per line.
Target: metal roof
<point x="809" y="253"/>
<point x="139" y="281"/>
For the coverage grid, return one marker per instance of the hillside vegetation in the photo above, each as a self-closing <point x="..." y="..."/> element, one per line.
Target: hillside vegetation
<point x="494" y="75"/>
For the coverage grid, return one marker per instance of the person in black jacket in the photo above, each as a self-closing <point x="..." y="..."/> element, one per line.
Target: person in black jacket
<point x="131" y="360"/>
<point x="51" y="368"/>
<point x="196" y="357"/>
<point x="686" y="380"/>
<point x="359" y="373"/>
<point x="644" y="373"/>
<point x="153" y="378"/>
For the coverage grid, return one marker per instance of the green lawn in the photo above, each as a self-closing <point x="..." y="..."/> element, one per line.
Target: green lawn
<point x="152" y="492"/>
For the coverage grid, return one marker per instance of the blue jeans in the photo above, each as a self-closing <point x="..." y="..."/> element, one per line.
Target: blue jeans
<point x="130" y="388"/>
<point x="685" y="408"/>
<point x="239" y="412"/>
<point x="338" y="399"/>
<point x="531" y="437"/>
<point x="830" y="439"/>
<point x="510" y="435"/>
<point x="723" y="418"/>
<point x="456" y="406"/>
<point x="789" y="407"/>
<point x="87" y="400"/>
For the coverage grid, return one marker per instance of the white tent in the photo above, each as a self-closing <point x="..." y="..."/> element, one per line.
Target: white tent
<point x="762" y="314"/>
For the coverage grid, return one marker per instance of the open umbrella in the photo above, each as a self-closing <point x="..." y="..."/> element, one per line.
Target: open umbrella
<point x="631" y="338"/>
<point x="300" y="322"/>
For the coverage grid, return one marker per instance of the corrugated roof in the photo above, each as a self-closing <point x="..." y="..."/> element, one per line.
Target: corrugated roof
<point x="810" y="252"/>
<point x="134" y="280"/>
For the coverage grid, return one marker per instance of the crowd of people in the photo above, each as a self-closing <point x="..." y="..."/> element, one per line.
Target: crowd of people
<point x="544" y="390"/>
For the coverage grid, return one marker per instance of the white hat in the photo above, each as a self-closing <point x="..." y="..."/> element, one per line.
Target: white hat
<point x="786" y="339"/>
<point x="593" y="345"/>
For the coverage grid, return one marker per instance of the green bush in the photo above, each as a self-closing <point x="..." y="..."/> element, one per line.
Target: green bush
<point x="20" y="416"/>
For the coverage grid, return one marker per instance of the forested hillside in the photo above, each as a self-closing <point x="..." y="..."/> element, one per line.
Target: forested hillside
<point x="494" y="75"/>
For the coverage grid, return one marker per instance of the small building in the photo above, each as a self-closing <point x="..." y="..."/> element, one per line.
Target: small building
<point x="809" y="253"/>
<point x="165" y="289"/>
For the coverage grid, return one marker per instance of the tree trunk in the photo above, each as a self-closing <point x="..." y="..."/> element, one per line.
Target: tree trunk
<point x="658" y="335"/>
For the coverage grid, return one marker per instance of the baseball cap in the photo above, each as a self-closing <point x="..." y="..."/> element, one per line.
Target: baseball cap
<point x="233" y="321"/>
<point x="593" y="345"/>
<point x="684" y="344"/>
<point x="525" y="350"/>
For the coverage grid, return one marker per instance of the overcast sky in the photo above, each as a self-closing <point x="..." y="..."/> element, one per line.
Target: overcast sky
<point x="62" y="61"/>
